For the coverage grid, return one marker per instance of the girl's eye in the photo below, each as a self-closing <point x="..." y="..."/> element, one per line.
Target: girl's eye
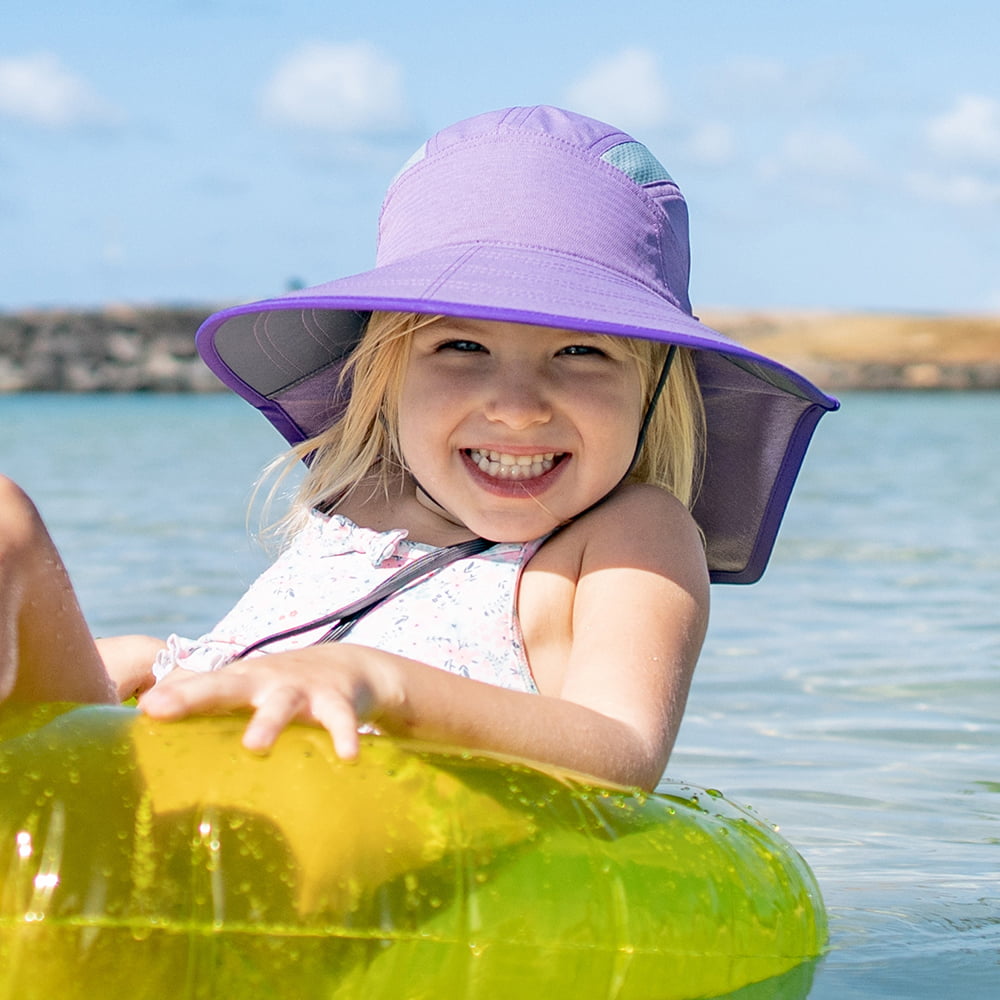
<point x="461" y="345"/>
<point x="580" y="350"/>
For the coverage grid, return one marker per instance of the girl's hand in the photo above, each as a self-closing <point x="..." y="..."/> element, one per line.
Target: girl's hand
<point x="337" y="687"/>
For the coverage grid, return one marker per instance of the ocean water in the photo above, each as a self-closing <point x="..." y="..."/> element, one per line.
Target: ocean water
<point x="852" y="697"/>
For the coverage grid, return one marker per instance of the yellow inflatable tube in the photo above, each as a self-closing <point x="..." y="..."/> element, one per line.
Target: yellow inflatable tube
<point x="151" y="860"/>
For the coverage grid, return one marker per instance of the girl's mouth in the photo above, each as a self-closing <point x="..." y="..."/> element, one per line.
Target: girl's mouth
<point x="513" y="468"/>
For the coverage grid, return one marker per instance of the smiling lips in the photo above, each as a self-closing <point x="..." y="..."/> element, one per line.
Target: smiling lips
<point x="503" y="465"/>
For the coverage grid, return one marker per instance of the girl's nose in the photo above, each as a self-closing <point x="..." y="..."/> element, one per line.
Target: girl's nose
<point x="519" y="401"/>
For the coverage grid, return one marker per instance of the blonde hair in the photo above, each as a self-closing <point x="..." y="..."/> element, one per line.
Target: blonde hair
<point x="673" y="449"/>
<point x="362" y="447"/>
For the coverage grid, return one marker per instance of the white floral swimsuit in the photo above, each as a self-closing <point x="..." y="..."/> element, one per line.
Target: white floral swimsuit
<point x="462" y="618"/>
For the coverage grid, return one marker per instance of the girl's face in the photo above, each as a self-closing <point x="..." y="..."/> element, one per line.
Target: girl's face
<point x="513" y="429"/>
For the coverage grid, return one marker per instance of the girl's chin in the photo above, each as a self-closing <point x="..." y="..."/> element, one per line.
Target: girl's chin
<point x="506" y="525"/>
<point x="532" y="521"/>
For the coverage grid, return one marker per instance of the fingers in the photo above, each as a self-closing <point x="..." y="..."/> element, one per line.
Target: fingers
<point x="287" y="704"/>
<point x="341" y="721"/>
<point x="194" y="694"/>
<point x="275" y="711"/>
<point x="276" y="699"/>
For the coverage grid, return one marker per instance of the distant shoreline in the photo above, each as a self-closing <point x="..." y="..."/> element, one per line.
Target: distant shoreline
<point x="842" y="351"/>
<point x="151" y="348"/>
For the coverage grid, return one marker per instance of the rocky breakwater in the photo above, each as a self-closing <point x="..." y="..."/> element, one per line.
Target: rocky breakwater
<point x="129" y="349"/>
<point x="120" y="349"/>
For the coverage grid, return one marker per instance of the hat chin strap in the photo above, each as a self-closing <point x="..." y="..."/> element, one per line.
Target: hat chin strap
<point x="643" y="429"/>
<point x="647" y="419"/>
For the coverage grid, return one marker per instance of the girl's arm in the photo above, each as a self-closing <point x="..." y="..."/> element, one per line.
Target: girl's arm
<point x="637" y="613"/>
<point x="128" y="660"/>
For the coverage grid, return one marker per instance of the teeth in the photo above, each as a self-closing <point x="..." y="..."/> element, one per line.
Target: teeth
<point x="501" y="465"/>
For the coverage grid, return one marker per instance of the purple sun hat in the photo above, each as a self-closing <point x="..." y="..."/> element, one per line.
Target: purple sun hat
<point x="538" y="215"/>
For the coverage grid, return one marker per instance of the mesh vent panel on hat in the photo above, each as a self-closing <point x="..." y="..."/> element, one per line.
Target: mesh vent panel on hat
<point x="636" y="162"/>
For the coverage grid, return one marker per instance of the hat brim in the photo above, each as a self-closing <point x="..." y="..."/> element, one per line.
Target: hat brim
<point x="285" y="355"/>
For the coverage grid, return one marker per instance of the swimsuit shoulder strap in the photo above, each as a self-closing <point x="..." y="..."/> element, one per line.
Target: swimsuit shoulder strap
<point x="344" y="619"/>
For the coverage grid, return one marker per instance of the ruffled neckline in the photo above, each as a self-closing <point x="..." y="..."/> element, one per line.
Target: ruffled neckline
<point x="338" y="535"/>
<point x="342" y="535"/>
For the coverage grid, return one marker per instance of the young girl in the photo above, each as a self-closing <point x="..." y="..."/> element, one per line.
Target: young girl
<point x="525" y="457"/>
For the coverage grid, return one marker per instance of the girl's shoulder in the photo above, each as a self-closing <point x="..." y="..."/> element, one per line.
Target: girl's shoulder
<point x="625" y="583"/>
<point x="640" y="525"/>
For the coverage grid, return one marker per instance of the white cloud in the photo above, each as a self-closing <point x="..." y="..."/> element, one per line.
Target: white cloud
<point x="712" y="143"/>
<point x="969" y="131"/>
<point x="347" y="88"/>
<point x="814" y="152"/>
<point x="961" y="190"/>
<point x="625" y="90"/>
<point x="39" y="89"/>
<point x="749" y="78"/>
<point x="771" y="87"/>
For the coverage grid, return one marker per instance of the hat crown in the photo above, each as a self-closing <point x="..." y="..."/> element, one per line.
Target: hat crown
<point x="547" y="180"/>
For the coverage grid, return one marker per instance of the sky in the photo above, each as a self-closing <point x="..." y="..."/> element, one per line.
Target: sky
<point x="840" y="156"/>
